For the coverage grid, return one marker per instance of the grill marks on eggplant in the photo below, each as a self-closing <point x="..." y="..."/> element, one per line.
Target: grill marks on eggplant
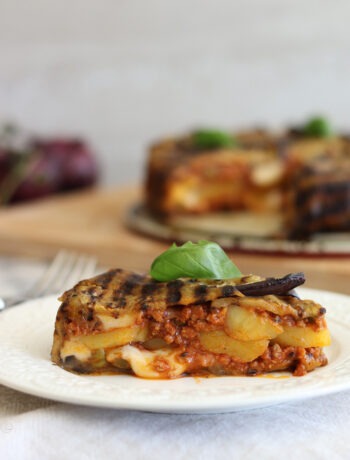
<point x="121" y="289"/>
<point x="174" y="292"/>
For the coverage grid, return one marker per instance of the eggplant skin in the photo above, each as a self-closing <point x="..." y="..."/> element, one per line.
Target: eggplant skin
<point x="276" y="286"/>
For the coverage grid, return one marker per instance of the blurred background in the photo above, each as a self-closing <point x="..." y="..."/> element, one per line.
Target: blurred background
<point x="121" y="73"/>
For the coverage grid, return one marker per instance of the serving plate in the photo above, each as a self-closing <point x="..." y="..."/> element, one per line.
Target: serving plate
<point x="26" y="335"/>
<point x="247" y="232"/>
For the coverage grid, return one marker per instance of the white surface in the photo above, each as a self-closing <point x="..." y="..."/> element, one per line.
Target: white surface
<point x="26" y="339"/>
<point x="124" y="72"/>
<point x="32" y="428"/>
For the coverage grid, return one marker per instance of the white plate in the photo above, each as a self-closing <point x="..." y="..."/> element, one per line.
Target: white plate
<point x="25" y="342"/>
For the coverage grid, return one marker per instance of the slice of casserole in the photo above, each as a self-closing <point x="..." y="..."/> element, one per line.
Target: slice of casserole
<point x="124" y="322"/>
<point x="181" y="179"/>
<point x="255" y="176"/>
<point x="320" y="199"/>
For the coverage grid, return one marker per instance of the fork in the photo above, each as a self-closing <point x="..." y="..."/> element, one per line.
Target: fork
<point x="63" y="272"/>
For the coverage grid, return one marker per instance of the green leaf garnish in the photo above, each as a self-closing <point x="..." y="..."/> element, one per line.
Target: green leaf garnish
<point x="211" y="139"/>
<point x="318" y="127"/>
<point x="202" y="260"/>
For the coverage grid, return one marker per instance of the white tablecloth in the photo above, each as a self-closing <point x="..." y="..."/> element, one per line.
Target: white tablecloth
<point x="33" y="428"/>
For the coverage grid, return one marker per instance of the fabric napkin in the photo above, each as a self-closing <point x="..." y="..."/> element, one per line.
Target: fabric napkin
<point x="32" y="428"/>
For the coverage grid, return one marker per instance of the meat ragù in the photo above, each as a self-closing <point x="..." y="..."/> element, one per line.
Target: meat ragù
<point x="125" y="322"/>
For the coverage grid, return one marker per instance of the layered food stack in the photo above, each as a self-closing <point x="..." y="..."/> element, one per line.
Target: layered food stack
<point x="302" y="173"/>
<point x="195" y="314"/>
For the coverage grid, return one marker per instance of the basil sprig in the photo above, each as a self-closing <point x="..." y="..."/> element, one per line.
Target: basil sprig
<point x="202" y="260"/>
<point x="212" y="139"/>
<point x="318" y="127"/>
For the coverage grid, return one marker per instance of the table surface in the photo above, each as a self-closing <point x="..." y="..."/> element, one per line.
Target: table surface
<point x="94" y="222"/>
<point x="31" y="427"/>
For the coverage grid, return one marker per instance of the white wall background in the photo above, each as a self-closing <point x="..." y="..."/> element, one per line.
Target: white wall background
<point x="124" y="72"/>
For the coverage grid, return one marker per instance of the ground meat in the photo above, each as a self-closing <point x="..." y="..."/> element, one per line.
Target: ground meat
<point x="275" y="358"/>
<point x="184" y="323"/>
<point x="182" y="326"/>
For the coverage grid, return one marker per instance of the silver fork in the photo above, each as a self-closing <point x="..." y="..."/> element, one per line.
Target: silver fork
<point x="66" y="269"/>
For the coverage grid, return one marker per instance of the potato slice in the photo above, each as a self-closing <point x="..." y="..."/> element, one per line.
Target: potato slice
<point x="219" y="342"/>
<point x="244" y="324"/>
<point x="115" y="338"/>
<point x="305" y="337"/>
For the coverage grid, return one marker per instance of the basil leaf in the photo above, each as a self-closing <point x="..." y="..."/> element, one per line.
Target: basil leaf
<point x="202" y="260"/>
<point x="318" y="127"/>
<point x="211" y="139"/>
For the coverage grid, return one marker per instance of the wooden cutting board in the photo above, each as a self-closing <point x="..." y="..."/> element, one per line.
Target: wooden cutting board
<point x="94" y="222"/>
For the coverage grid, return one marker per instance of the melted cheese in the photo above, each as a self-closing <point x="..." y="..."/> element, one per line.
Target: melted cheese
<point x="108" y="322"/>
<point x="77" y="349"/>
<point x="143" y="363"/>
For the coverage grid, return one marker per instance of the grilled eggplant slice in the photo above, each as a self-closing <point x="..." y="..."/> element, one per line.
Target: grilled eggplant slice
<point x="124" y="322"/>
